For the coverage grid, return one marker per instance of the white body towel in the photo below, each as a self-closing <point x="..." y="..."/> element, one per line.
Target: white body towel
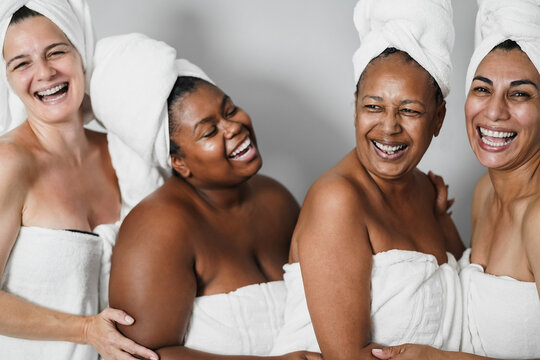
<point x="413" y="300"/>
<point x="501" y="314"/>
<point x="61" y="270"/>
<point x="243" y="322"/>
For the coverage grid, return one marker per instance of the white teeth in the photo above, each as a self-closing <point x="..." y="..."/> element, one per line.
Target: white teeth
<point x="389" y="149"/>
<point x="493" y="143"/>
<point x="52" y="91"/>
<point x="241" y="148"/>
<point x="497" y="134"/>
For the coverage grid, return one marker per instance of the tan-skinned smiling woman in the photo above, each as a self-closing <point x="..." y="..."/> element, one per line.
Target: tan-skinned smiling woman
<point x="56" y="186"/>
<point x="501" y="272"/>
<point x="198" y="262"/>
<point x="374" y="247"/>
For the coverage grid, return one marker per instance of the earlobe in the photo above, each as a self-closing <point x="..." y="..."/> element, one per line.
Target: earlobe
<point x="179" y="164"/>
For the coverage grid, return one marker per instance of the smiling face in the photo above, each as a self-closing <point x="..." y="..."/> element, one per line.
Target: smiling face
<point x="503" y="110"/>
<point x="218" y="145"/>
<point x="396" y="116"/>
<point x="44" y="69"/>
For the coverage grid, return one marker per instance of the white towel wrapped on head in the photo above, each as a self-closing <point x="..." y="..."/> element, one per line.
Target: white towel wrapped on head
<point x="421" y="28"/>
<point x="133" y="76"/>
<point x="500" y="20"/>
<point x="72" y="17"/>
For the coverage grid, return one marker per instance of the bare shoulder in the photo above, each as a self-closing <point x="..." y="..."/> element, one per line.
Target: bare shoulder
<point x="17" y="163"/>
<point x="530" y="226"/>
<point x="266" y="188"/>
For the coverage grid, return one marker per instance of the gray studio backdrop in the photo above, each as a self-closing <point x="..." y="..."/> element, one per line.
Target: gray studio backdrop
<point x="288" y="64"/>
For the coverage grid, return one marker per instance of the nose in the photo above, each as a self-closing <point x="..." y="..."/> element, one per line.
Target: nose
<point x="497" y="108"/>
<point x="44" y="70"/>
<point x="231" y="128"/>
<point x="390" y="121"/>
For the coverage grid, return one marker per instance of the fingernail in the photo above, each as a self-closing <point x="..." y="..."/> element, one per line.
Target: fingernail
<point x="153" y="357"/>
<point x="377" y="351"/>
<point x="129" y="319"/>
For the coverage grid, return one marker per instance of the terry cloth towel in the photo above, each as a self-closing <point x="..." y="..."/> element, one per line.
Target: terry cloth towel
<point x="500" y="20"/>
<point x="72" y="17"/>
<point x="243" y="322"/>
<point x="501" y="314"/>
<point x="133" y="76"/>
<point x="413" y="300"/>
<point x="61" y="270"/>
<point x="422" y="28"/>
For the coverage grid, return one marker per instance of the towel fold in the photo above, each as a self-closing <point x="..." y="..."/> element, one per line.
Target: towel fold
<point x="501" y="315"/>
<point x="421" y="28"/>
<point x="243" y="322"/>
<point x="61" y="270"/>
<point x="72" y="17"/>
<point x="413" y="300"/>
<point x="132" y="78"/>
<point x="500" y="20"/>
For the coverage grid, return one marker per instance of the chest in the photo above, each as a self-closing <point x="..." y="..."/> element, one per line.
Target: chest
<point x="411" y="227"/>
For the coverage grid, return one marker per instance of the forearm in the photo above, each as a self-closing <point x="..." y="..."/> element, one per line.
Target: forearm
<point x="22" y="319"/>
<point x="184" y="353"/>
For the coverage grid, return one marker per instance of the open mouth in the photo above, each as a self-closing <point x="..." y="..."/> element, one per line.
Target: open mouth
<point x="54" y="93"/>
<point x="243" y="150"/>
<point x="390" y="150"/>
<point x="496" y="138"/>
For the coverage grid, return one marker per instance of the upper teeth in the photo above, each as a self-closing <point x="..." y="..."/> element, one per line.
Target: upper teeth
<point x="497" y="134"/>
<point x="241" y="148"/>
<point x="387" y="148"/>
<point x="52" y="90"/>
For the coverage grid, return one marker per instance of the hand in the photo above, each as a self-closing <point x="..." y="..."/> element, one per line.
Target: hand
<point x="301" y="355"/>
<point x="442" y="204"/>
<point x="100" y="332"/>
<point x="407" y="351"/>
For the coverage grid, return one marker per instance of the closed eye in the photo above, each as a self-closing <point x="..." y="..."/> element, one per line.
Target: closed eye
<point x="232" y="112"/>
<point x="372" y="107"/>
<point x="408" y="111"/>
<point x="211" y="132"/>
<point x="21" y="65"/>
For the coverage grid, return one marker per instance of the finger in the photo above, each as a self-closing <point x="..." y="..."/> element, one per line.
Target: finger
<point x="119" y="316"/>
<point x="313" y="356"/>
<point x="382" y="354"/>
<point x="135" y="349"/>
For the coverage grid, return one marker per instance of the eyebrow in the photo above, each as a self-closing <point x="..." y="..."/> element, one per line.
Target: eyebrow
<point x="405" y="102"/>
<point x="46" y="49"/>
<point x="523" y="82"/>
<point x="373" y="97"/>
<point x="513" y="83"/>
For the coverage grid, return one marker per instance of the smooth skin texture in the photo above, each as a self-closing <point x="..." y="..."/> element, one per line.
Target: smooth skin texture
<point x="51" y="159"/>
<point x="505" y="97"/>
<point x="218" y="228"/>
<point x="372" y="202"/>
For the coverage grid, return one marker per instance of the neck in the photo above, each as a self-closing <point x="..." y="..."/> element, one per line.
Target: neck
<point x="64" y="139"/>
<point x="224" y="198"/>
<point x="397" y="189"/>
<point x="510" y="185"/>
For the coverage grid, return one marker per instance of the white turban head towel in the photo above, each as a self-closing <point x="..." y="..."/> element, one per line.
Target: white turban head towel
<point x="501" y="20"/>
<point x="421" y="28"/>
<point x="132" y="78"/>
<point x="72" y="17"/>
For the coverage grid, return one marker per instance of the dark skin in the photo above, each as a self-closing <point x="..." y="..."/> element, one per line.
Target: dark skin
<point x="371" y="202"/>
<point x="218" y="228"/>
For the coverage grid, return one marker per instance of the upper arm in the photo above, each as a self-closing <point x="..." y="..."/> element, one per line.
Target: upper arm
<point x="531" y="239"/>
<point x="336" y="259"/>
<point x="152" y="276"/>
<point x="13" y="188"/>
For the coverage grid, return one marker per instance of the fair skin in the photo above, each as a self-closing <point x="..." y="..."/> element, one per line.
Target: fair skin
<point x="504" y="98"/>
<point x="221" y="227"/>
<point x="373" y="200"/>
<point x="51" y="159"/>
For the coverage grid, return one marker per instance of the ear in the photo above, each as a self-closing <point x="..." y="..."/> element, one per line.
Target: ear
<point x="355" y="106"/>
<point x="179" y="164"/>
<point x="439" y="118"/>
